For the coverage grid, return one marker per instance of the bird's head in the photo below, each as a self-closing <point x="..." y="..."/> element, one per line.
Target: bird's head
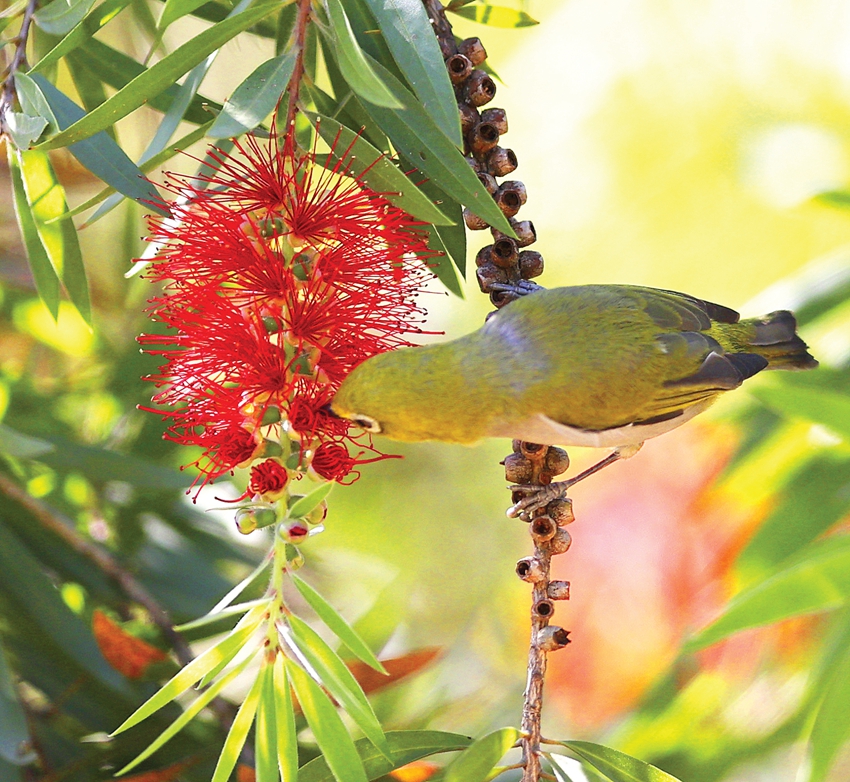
<point x="366" y="396"/>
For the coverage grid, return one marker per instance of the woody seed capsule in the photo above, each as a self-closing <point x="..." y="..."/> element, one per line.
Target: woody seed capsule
<point x="459" y="67"/>
<point x="474" y="49"/>
<point x="530" y="265"/>
<point x="525" y="232"/>
<point x="484" y="255"/>
<point x="497" y="117"/>
<point x="543" y="529"/>
<point x="544" y="608"/>
<point x="505" y="253"/>
<point x="501" y="161"/>
<point x="508" y="201"/>
<point x="483" y="137"/>
<point x="551" y="638"/>
<point x="561" y="510"/>
<point x="469" y="117"/>
<point x="473" y="221"/>
<point x="488" y="274"/>
<point x="558" y="590"/>
<point x="480" y="88"/>
<point x="557" y="459"/>
<point x="517" y="468"/>
<point x="560" y="543"/>
<point x="529" y="569"/>
<point x="489" y="182"/>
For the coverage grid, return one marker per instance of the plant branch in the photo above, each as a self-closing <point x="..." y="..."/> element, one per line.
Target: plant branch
<point x="19" y="58"/>
<point x="299" y="37"/>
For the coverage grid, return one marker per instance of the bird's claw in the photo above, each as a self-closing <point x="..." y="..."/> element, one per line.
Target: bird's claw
<point x="537" y="497"/>
<point x="519" y="288"/>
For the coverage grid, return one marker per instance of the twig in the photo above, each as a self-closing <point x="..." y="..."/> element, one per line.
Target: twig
<point x="53" y="521"/>
<point x="299" y="37"/>
<point x="19" y="58"/>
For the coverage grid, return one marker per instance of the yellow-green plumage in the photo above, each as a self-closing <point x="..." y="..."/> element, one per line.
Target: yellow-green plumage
<point x="602" y="365"/>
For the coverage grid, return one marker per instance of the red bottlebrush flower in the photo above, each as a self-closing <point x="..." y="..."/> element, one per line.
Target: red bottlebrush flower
<point x="268" y="478"/>
<point x="332" y="461"/>
<point x="280" y="276"/>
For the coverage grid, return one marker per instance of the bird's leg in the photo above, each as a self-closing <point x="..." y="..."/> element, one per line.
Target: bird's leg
<point x="517" y="289"/>
<point x="537" y="497"/>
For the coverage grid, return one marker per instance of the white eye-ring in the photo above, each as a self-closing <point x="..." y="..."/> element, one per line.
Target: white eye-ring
<point x="366" y="422"/>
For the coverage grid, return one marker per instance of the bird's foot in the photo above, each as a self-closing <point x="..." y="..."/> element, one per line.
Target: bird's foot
<point x="536" y="497"/>
<point x="517" y="289"/>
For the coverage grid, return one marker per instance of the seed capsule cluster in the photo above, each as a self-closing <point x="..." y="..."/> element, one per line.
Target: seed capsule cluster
<point x="504" y="263"/>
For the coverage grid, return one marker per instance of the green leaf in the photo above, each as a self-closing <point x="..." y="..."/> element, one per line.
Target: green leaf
<point x="186" y="717"/>
<point x="100" y="154"/>
<point x="340" y="628"/>
<point x="46" y="198"/>
<point x="265" y="735"/>
<point x="825" y="407"/>
<point x="21" y="576"/>
<point x="33" y="101"/>
<point x="410" y="37"/>
<point x="15" y="740"/>
<point x="814" y="498"/>
<point x="238" y="731"/>
<point x="160" y="76"/>
<point x="43" y="274"/>
<point x="169" y="152"/>
<point x="302" y="506"/>
<point x="405" y="747"/>
<point x="337" y="747"/>
<point x="817" y="580"/>
<point x="23" y="128"/>
<point x="348" y="111"/>
<point x="94" y="21"/>
<point x="195" y="670"/>
<point x="255" y="98"/>
<point x="338" y="680"/>
<point x="356" y="69"/>
<point x="496" y="15"/>
<point x="118" y="70"/>
<point x="287" y="739"/>
<point x="60" y="16"/>
<point x="234" y="610"/>
<point x="616" y="765"/>
<point x="376" y="170"/>
<point x="415" y="135"/>
<point x="831" y="727"/>
<point x="476" y="762"/>
<point x="441" y="264"/>
<point x="101" y="465"/>
<point x="174" y="9"/>
<point x="22" y="446"/>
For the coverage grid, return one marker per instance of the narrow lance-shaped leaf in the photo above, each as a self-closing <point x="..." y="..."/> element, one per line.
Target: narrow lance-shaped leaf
<point x="410" y="37"/>
<point x="340" y="628"/>
<point x="46" y="198"/>
<point x="356" y="69"/>
<point x="238" y="732"/>
<point x="338" y="680"/>
<point x="415" y="135"/>
<point x="378" y="171"/>
<point x="823" y="406"/>
<point x="303" y="505"/>
<point x="94" y="21"/>
<point x="100" y="154"/>
<point x="60" y="16"/>
<point x="287" y="740"/>
<point x="255" y="98"/>
<point x="617" y="766"/>
<point x="406" y="746"/>
<point x="477" y="762"/>
<point x="159" y="76"/>
<point x="265" y="734"/>
<point x="186" y="717"/>
<point x="831" y="726"/>
<point x="817" y="580"/>
<point x="43" y="273"/>
<point x="195" y="670"/>
<point x="22" y="446"/>
<point x="337" y="747"/>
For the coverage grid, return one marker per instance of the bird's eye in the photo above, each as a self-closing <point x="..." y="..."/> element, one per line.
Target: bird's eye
<point x="367" y="423"/>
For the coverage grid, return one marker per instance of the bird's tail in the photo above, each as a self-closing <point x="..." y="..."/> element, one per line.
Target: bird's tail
<point x="776" y="339"/>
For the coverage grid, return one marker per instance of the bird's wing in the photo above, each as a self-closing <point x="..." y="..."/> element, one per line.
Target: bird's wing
<point x="680" y="312"/>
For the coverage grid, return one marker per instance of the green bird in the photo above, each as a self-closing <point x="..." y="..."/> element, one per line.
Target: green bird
<point x="591" y="365"/>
